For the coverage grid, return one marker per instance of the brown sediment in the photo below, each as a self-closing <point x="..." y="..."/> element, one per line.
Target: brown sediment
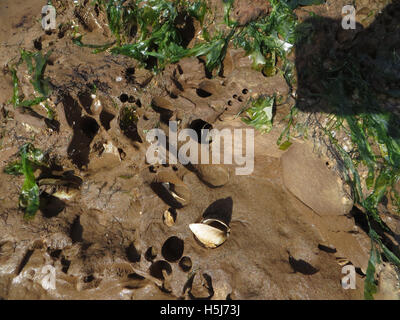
<point x="111" y="241"/>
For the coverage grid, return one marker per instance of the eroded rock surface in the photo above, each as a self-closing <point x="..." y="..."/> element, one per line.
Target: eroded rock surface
<point x="308" y="177"/>
<point x="111" y="240"/>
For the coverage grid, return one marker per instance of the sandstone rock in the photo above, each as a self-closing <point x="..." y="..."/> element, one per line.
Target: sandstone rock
<point x="310" y="180"/>
<point x="108" y="158"/>
<point x="388" y="284"/>
<point x="246" y="11"/>
<point x="215" y="175"/>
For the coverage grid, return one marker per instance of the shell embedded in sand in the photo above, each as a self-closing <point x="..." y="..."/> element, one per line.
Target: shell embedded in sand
<point x="180" y="193"/>
<point x="209" y="236"/>
<point x="65" y="194"/>
<point x="96" y="106"/>
<point x="169" y="218"/>
<point x="59" y="188"/>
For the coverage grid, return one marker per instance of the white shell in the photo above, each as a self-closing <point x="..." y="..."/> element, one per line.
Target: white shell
<point x="209" y="236"/>
<point x="65" y="194"/>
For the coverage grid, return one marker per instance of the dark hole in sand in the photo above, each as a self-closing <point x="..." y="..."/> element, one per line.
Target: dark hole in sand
<point x="326" y="248"/>
<point x="55" y="253"/>
<point x="172" y="249"/>
<point x="165" y="196"/>
<point x="220" y="210"/>
<point x="198" y="125"/>
<point x="135" y="276"/>
<point x="173" y="95"/>
<point x="173" y="213"/>
<point x="150" y="254"/>
<point x="88" y="279"/>
<point x="86" y="100"/>
<point x="24" y="261"/>
<point x="65" y="264"/>
<point x="132" y="254"/>
<point x="156" y="269"/>
<point x="124" y="98"/>
<point x="203" y="93"/>
<point x="130" y="71"/>
<point x="185" y="264"/>
<point x="37" y="44"/>
<point x="187" y="29"/>
<point x="76" y="230"/>
<point x="85" y="129"/>
<point x="50" y="206"/>
<point x="165" y="114"/>
<point x="89" y="126"/>
<point x="105" y="119"/>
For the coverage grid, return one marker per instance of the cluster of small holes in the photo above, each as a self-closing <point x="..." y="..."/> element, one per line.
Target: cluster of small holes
<point x="238" y="98"/>
<point x="172" y="251"/>
<point x="131" y="99"/>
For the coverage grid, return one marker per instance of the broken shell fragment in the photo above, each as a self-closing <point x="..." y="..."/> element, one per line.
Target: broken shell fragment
<point x="179" y="193"/>
<point x="61" y="189"/>
<point x="66" y="194"/>
<point x="342" y="261"/>
<point x="169" y="217"/>
<point x="175" y="187"/>
<point x="211" y="236"/>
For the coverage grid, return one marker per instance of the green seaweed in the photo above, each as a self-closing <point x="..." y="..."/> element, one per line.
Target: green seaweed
<point x="40" y="84"/>
<point x="370" y="287"/>
<point x="97" y="48"/>
<point x="214" y="50"/>
<point x="30" y="159"/>
<point x="164" y="42"/>
<point x="198" y="10"/>
<point x="158" y="39"/>
<point x="15" y="98"/>
<point x="260" y="114"/>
